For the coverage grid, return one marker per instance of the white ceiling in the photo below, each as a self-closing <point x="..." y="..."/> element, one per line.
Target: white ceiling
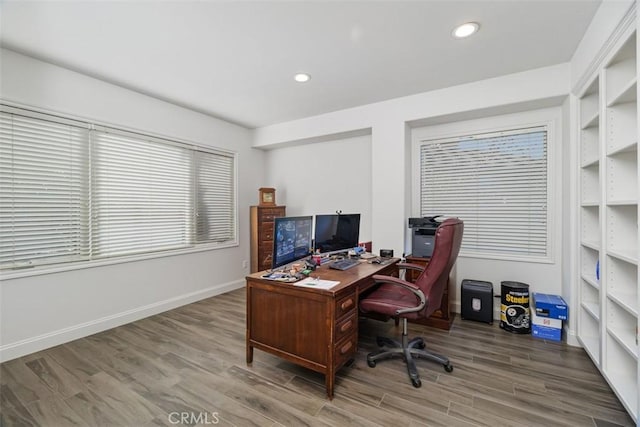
<point x="236" y="59"/>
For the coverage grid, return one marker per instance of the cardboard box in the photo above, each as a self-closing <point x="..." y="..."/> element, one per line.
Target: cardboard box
<point x="545" y="327"/>
<point x="551" y="306"/>
<point x="542" y="332"/>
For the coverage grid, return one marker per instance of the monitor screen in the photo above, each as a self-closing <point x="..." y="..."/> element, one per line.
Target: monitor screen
<point x="291" y="239"/>
<point x="336" y="232"/>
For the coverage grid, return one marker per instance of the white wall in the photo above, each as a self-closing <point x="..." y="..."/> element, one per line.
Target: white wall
<point x="323" y="177"/>
<point x="391" y="124"/>
<point x="388" y="123"/>
<point x="44" y="310"/>
<point x="541" y="277"/>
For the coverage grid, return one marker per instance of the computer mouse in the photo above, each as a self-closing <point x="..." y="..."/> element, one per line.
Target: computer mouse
<point x="376" y="261"/>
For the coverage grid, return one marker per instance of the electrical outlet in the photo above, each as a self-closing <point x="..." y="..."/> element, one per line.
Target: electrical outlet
<point x="245" y="264"/>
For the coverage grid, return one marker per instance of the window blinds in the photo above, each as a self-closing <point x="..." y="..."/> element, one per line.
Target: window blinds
<point x="74" y="191"/>
<point x="141" y="195"/>
<point x="43" y="191"/>
<point x="496" y="183"/>
<point x="215" y="201"/>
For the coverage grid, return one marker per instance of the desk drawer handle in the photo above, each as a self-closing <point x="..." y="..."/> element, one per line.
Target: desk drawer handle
<point x="347" y="304"/>
<point x="345" y="348"/>
<point x="346" y="326"/>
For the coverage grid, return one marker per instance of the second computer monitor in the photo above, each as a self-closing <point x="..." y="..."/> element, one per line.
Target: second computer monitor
<point x="335" y="233"/>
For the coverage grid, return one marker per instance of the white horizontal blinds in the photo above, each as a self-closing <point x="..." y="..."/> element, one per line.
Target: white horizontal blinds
<point x="496" y="183"/>
<point x="215" y="197"/>
<point x="43" y="190"/>
<point x="140" y="196"/>
<point x="74" y="191"/>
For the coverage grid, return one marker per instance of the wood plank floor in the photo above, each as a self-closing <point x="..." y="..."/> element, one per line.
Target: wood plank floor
<point x="187" y="367"/>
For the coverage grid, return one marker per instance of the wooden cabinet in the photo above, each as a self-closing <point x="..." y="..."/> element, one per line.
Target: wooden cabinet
<point x="262" y="235"/>
<point x="608" y="292"/>
<point x="441" y="318"/>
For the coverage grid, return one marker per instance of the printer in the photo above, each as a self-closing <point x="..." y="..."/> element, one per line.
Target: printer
<point x="423" y="234"/>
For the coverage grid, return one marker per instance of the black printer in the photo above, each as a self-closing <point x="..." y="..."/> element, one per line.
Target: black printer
<point x="423" y="234"/>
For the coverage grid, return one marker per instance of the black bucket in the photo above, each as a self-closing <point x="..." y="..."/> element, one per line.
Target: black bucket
<point x="514" y="308"/>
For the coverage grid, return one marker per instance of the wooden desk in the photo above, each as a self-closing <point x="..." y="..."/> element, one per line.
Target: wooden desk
<point x="314" y="328"/>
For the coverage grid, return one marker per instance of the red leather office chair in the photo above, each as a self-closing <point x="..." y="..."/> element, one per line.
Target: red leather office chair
<point x="398" y="298"/>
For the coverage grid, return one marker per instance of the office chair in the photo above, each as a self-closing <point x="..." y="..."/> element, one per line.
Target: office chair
<point x="399" y="298"/>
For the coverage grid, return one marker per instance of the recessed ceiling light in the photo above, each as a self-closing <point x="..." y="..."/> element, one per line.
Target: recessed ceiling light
<point x="465" y="30"/>
<point x="302" y="77"/>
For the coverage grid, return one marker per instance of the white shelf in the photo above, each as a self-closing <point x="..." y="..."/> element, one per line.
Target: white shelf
<point x="625" y="386"/>
<point x="627" y="94"/>
<point x="591" y="280"/>
<point x="621" y="78"/>
<point x="590" y="226"/>
<point x="623" y="202"/>
<point x="590" y="184"/>
<point x="633" y="351"/>
<point x="591" y="244"/>
<point x="630" y="146"/>
<point x="625" y="300"/>
<point x="590" y="140"/>
<point x="622" y="284"/>
<point x="588" y="259"/>
<point x="625" y="254"/>
<point x="622" y="121"/>
<point x="593" y="309"/>
<point x="622" y="176"/>
<point x="621" y="325"/>
<point x="622" y="232"/>
<point x="592" y="346"/>
<point x="621" y="370"/>
<point x="589" y="111"/>
<point x="589" y="334"/>
<point x="590" y="204"/>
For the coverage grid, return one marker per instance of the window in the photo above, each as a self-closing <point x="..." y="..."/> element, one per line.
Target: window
<point x="43" y="191"/>
<point x="74" y="191"/>
<point x="496" y="183"/>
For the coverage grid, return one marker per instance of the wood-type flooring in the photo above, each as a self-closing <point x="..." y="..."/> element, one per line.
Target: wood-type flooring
<point x="187" y="367"/>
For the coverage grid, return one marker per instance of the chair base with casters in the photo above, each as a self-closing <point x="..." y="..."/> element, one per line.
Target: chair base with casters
<point x="408" y="350"/>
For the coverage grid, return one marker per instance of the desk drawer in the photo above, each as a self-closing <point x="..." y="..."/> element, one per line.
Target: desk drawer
<point x="345" y="350"/>
<point x="266" y="232"/>
<point x="267" y="215"/>
<point x="346" y="327"/>
<point x="346" y="304"/>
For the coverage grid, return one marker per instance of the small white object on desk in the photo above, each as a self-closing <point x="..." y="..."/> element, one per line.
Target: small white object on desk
<point x="367" y="255"/>
<point x="314" y="282"/>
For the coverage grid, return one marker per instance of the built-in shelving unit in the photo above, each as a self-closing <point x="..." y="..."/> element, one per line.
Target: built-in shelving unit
<point x="609" y="298"/>
<point x="590" y="235"/>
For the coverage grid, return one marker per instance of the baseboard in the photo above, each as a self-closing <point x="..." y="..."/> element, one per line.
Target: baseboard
<point x="41" y="342"/>
<point x="572" y="338"/>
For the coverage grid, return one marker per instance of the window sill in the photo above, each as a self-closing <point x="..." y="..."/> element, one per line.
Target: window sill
<point x="59" y="268"/>
<point x="505" y="257"/>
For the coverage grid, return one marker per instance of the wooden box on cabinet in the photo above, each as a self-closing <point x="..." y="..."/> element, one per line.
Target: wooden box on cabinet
<point x="262" y="235"/>
<point x="441" y="318"/>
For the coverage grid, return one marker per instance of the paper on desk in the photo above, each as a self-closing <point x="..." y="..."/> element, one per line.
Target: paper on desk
<point x="311" y="282"/>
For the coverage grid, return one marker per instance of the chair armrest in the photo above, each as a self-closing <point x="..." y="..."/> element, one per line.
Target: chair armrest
<point x="403" y="284"/>
<point x="408" y="266"/>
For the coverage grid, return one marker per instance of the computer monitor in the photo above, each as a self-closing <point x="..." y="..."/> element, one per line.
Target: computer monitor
<point x="291" y="239"/>
<point x="336" y="232"/>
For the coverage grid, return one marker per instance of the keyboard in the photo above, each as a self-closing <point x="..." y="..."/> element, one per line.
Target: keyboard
<point x="344" y="264"/>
